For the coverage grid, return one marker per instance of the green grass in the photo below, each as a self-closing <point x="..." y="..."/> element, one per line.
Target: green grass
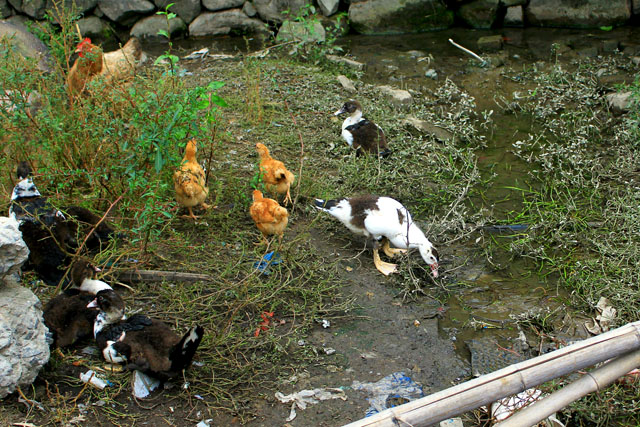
<point x="582" y="205"/>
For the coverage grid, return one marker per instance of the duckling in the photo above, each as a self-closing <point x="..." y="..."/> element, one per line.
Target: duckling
<point x="49" y="234"/>
<point x="360" y="133"/>
<point x="382" y="219"/>
<point x="67" y="315"/>
<point x="44" y="228"/>
<point x="143" y="344"/>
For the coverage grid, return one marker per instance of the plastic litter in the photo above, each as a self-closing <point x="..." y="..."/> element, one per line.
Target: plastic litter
<point x="325" y="323"/>
<point x="393" y="390"/>
<point x="143" y="384"/>
<point x="503" y="408"/>
<point x="303" y="398"/>
<point x="91" y="377"/>
<point x="452" y="422"/>
<point x="204" y="423"/>
<point x="270" y="258"/>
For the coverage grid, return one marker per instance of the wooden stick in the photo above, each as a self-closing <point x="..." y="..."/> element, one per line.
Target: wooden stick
<point x="594" y="380"/>
<point x="469" y="52"/>
<point x="508" y="381"/>
<point x="159" y="275"/>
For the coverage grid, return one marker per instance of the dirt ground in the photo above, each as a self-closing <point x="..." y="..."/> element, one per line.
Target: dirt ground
<point x="381" y="333"/>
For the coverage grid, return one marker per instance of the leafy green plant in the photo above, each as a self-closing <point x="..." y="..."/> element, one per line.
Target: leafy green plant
<point x="167" y="57"/>
<point x="122" y="141"/>
<point x="312" y="40"/>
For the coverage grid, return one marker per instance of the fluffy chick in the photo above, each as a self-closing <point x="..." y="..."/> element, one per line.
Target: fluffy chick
<point x="269" y="216"/>
<point x="189" y="181"/>
<point x="275" y="175"/>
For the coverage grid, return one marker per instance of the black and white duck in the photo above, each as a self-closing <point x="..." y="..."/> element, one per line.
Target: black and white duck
<point x="139" y="342"/>
<point x="49" y="233"/>
<point x="67" y="315"/>
<point x="383" y="220"/>
<point x="360" y="133"/>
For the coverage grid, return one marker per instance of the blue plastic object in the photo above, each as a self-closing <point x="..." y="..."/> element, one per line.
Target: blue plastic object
<point x="270" y="258"/>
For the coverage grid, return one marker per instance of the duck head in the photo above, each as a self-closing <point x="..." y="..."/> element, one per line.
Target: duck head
<point x="352" y="107"/>
<point x="111" y="309"/>
<point x="430" y="255"/>
<point x="81" y="271"/>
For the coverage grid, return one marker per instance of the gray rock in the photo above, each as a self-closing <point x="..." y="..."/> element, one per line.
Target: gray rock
<point x="5" y="9"/>
<point x="225" y="22"/>
<point x="431" y="73"/>
<point x="398" y="96"/>
<point x="428" y="128"/>
<point x="215" y="5"/>
<point x="290" y="30"/>
<point x="509" y="3"/>
<point x="399" y="16"/>
<point x="19" y="20"/>
<point x="588" y="52"/>
<point x="98" y="12"/>
<point x="23" y="336"/>
<point x="33" y="104"/>
<point x="185" y="9"/>
<point x="514" y="17"/>
<point x="479" y="13"/>
<point x="328" y="7"/>
<point x="577" y="14"/>
<point x="635" y="60"/>
<point x="490" y="43"/>
<point x="346" y="61"/>
<point x="610" y="46"/>
<point x="271" y="10"/>
<point x="79" y="6"/>
<point x="619" y="102"/>
<point x="13" y="250"/>
<point x="24" y="349"/>
<point x="32" y="8"/>
<point x="26" y="44"/>
<point x="125" y="12"/>
<point x="249" y="9"/>
<point x="148" y="27"/>
<point x="92" y="26"/>
<point x="346" y="83"/>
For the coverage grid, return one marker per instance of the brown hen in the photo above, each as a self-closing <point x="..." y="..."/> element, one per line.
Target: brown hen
<point x="275" y="175"/>
<point x="92" y="62"/>
<point x="269" y="216"/>
<point x="189" y="181"/>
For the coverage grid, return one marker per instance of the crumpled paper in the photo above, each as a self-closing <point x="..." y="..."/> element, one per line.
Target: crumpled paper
<point x="605" y="318"/>
<point x="301" y="398"/>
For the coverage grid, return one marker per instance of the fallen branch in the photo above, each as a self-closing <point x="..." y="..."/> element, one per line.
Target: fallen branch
<point x="483" y="62"/>
<point x="160" y="275"/>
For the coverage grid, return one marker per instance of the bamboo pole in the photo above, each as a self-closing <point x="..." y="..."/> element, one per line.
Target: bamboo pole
<point x="592" y="381"/>
<point x="508" y="381"/>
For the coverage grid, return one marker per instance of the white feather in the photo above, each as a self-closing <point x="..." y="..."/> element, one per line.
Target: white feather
<point x="94" y="286"/>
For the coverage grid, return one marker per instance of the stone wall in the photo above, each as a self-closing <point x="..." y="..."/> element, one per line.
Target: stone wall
<point x="197" y="18"/>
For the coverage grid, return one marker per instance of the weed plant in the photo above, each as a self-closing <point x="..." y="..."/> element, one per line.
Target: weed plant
<point x="583" y="207"/>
